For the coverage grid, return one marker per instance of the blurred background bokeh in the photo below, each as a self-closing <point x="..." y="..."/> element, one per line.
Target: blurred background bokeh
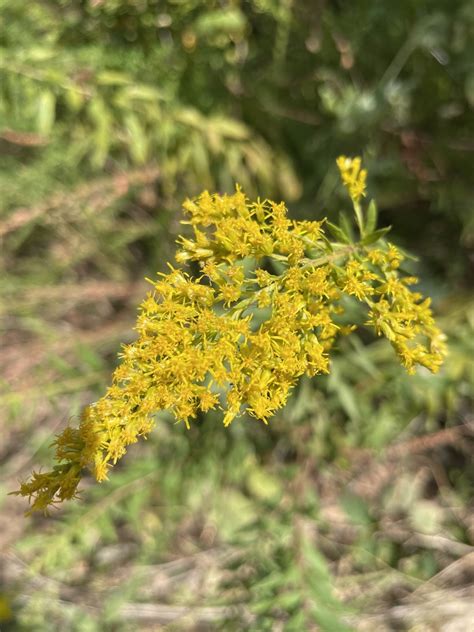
<point x="353" y="509"/>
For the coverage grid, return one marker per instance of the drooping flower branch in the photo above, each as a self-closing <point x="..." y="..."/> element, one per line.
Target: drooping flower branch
<point x="267" y="307"/>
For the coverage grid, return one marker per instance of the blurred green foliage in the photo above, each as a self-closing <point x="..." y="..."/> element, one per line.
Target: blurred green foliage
<point x="113" y="111"/>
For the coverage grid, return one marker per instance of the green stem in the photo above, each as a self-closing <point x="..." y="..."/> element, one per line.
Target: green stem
<point x="342" y="252"/>
<point x="359" y="218"/>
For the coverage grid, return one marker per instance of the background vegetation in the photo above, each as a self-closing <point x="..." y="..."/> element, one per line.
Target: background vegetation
<point x="353" y="509"/>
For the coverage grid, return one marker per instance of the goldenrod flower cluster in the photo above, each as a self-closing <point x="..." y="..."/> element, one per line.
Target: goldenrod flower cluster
<point x="352" y="176"/>
<point x="266" y="308"/>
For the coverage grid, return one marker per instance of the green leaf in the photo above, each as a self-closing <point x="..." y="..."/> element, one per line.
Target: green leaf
<point x="74" y="99"/>
<point x="371" y="222"/>
<point x="346" y="225"/>
<point x="375" y="236"/>
<point x="190" y="117"/>
<point x="329" y="621"/>
<point x="100" y="116"/>
<point x="338" y="233"/>
<point x="46" y="112"/>
<point x="138" y="139"/>
<point x="229" y="128"/>
<point x="316" y="564"/>
<point x="356" y="509"/>
<point x="90" y="357"/>
<point x="231" y="21"/>
<point x="288" y="180"/>
<point x="232" y="512"/>
<point x="112" y="78"/>
<point x="263" y="485"/>
<point x="288" y="600"/>
<point x="345" y="394"/>
<point x="142" y="92"/>
<point x="296" y="622"/>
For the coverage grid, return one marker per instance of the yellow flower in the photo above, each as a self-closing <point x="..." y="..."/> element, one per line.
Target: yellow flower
<point x="353" y="177"/>
<point x="199" y="347"/>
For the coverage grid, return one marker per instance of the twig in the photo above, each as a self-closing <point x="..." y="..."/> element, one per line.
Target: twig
<point x="163" y="614"/>
<point x="23" y="139"/>
<point x="119" y="183"/>
<point x="92" y="290"/>
<point x="426" y="541"/>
